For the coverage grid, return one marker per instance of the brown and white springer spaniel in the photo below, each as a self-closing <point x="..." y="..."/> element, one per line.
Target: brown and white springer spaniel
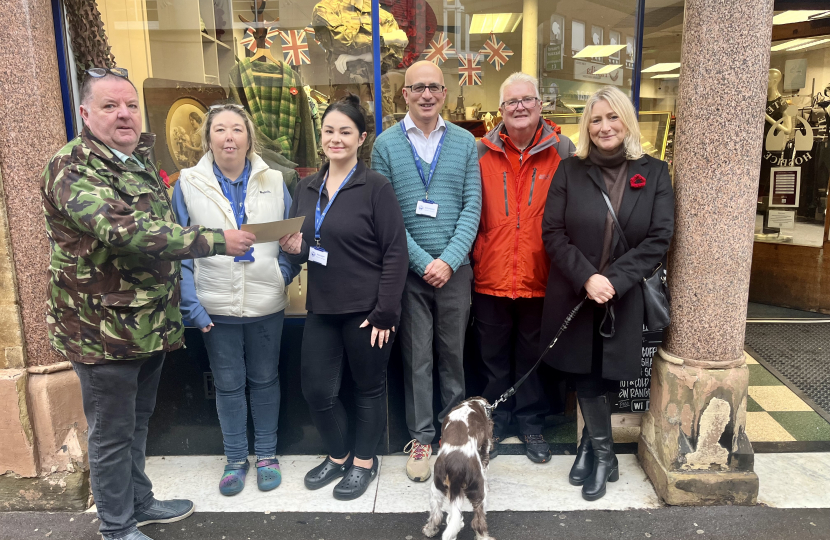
<point x="461" y="470"/>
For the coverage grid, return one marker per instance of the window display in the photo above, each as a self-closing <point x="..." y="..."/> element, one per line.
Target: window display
<point x="795" y="163"/>
<point x="285" y="61"/>
<point x="795" y="142"/>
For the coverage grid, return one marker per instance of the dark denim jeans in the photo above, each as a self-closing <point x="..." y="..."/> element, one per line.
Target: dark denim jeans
<point x="247" y="353"/>
<point x="119" y="398"/>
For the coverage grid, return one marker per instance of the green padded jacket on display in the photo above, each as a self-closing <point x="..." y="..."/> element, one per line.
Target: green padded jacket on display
<point x="276" y="99"/>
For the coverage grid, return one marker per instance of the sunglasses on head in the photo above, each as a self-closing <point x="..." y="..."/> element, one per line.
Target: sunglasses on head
<point x="102" y="72"/>
<point x="226" y="106"/>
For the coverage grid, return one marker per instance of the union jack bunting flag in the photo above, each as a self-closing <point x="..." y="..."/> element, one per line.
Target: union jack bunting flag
<point x="438" y="49"/>
<point x="469" y="70"/>
<point x="309" y="30"/>
<point x="295" y="47"/>
<point x="272" y="34"/>
<point x="249" y="40"/>
<point x="497" y="52"/>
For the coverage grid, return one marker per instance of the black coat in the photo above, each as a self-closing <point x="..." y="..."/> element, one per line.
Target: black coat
<point x="572" y="231"/>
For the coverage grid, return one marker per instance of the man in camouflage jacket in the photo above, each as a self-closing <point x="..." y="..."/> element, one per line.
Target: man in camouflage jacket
<point x="113" y="292"/>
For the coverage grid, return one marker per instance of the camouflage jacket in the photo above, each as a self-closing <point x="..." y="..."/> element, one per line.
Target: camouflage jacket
<point x="113" y="291"/>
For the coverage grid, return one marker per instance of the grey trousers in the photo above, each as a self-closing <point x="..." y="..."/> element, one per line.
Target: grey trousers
<point x="441" y="315"/>
<point x="119" y="398"/>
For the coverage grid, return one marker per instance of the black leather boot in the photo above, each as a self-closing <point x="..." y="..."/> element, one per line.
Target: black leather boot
<point x="584" y="463"/>
<point x="597" y="414"/>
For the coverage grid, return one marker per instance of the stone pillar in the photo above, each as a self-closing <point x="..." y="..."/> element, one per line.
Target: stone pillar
<point x="42" y="427"/>
<point x="693" y="444"/>
<point x="530" y="37"/>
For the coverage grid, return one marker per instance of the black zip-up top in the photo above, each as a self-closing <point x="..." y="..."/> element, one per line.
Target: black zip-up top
<point x="365" y="238"/>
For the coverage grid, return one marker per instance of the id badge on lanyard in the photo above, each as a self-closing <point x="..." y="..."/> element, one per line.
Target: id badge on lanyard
<point x="425" y="207"/>
<point x="238" y="210"/>
<point x="317" y="254"/>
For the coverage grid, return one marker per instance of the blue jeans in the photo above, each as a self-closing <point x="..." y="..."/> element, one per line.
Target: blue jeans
<point x="239" y="354"/>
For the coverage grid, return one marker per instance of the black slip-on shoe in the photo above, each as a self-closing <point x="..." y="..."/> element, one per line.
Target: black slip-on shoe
<point x="356" y="482"/>
<point x="324" y="473"/>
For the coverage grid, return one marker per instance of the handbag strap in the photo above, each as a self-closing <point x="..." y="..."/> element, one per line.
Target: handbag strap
<point x="619" y="228"/>
<point x="614" y="217"/>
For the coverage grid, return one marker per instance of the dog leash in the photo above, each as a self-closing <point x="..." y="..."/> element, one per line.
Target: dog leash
<point x="512" y="390"/>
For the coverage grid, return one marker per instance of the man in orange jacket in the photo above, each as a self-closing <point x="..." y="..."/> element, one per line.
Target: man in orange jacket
<point x="510" y="266"/>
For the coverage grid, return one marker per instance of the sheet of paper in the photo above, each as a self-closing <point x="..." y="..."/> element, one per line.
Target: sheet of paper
<point x="273" y="231"/>
<point x="781" y="219"/>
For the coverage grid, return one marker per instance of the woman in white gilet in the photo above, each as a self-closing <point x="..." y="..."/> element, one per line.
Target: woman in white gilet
<point x="238" y="302"/>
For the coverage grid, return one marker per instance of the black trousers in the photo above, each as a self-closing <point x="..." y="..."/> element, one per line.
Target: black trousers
<point x="508" y="328"/>
<point x="325" y="339"/>
<point x="119" y="398"/>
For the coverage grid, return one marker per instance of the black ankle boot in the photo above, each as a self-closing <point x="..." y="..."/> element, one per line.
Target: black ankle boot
<point x="597" y="414"/>
<point x="584" y="463"/>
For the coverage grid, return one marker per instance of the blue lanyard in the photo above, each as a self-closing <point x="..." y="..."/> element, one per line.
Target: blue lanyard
<point x="228" y="190"/>
<point x="426" y="181"/>
<point x="318" y="216"/>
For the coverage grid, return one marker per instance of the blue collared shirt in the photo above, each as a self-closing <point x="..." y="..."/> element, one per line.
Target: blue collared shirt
<point x="124" y="157"/>
<point x="192" y="311"/>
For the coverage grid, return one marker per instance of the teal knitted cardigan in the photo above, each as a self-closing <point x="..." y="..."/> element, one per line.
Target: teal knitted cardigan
<point x="456" y="187"/>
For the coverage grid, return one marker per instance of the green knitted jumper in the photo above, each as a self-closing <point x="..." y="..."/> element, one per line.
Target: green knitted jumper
<point x="456" y="187"/>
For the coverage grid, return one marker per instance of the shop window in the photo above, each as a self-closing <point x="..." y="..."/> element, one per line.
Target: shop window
<point x="795" y="163"/>
<point x="576" y="48"/>
<point x="284" y="61"/>
<point x="660" y="76"/>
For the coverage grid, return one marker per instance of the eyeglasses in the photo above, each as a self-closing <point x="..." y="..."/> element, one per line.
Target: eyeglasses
<point x="418" y="88"/>
<point x="527" y="103"/>
<point x="102" y="72"/>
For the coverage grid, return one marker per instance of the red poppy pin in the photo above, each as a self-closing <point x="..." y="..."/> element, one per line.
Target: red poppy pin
<point x="293" y="91"/>
<point x="637" y="181"/>
<point x="164" y="177"/>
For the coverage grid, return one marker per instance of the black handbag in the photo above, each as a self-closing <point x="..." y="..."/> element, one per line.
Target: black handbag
<point x="655" y="289"/>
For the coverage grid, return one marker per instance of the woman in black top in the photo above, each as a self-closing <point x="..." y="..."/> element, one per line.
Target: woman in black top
<point x="603" y="344"/>
<point x="354" y="240"/>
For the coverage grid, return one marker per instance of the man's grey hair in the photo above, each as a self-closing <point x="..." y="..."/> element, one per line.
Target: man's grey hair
<point x="517" y="78"/>
<point x="89" y="82"/>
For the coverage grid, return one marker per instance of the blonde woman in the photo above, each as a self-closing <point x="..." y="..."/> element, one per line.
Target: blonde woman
<point x="603" y="344"/>
<point x="238" y="302"/>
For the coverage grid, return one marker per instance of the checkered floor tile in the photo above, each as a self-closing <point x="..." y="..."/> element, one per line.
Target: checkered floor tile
<point x="774" y="414"/>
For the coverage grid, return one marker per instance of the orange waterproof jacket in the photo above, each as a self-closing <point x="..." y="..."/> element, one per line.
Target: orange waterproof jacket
<point x="508" y="256"/>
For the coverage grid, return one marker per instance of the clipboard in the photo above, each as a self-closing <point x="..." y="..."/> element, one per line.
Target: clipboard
<point x="274" y="230"/>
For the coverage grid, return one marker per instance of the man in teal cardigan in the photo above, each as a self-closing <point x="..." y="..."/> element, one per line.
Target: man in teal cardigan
<point x="433" y="167"/>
